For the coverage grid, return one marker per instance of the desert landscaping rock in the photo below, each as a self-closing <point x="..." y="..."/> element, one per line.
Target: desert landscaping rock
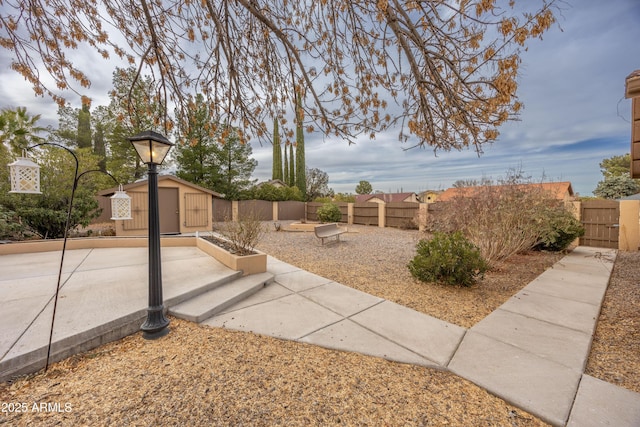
<point x="225" y="377"/>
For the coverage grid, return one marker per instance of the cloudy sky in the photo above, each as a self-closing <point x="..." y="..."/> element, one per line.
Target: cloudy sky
<point x="575" y="114"/>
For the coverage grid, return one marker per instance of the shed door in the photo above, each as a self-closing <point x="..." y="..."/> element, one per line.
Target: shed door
<point x="169" y="210"/>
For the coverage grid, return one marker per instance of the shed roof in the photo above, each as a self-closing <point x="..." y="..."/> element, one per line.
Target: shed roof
<point x="143" y="183"/>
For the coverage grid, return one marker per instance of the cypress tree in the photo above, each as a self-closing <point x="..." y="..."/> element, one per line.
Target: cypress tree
<point x="301" y="178"/>
<point x="84" y="124"/>
<point x="276" y="172"/>
<point x="99" y="147"/>
<point x="285" y="176"/>
<point x="292" y="169"/>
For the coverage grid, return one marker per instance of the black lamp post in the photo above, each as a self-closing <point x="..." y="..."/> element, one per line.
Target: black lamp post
<point x="152" y="149"/>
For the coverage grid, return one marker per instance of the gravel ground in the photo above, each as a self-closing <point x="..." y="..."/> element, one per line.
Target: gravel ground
<point x="615" y="352"/>
<point x="374" y="260"/>
<point x="205" y="376"/>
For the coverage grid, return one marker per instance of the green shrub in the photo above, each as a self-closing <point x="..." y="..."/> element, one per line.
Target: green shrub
<point x="329" y="212"/>
<point x="11" y="227"/>
<point x="558" y="229"/>
<point x="448" y="258"/>
<point x="272" y="193"/>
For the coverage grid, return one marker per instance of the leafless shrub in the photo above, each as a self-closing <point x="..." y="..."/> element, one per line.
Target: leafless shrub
<point x="501" y="220"/>
<point x="243" y="234"/>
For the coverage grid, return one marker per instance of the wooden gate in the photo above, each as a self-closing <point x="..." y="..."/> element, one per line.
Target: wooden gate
<point x="600" y="220"/>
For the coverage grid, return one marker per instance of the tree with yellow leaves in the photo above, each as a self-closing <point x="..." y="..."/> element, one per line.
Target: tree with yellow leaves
<point x="443" y="71"/>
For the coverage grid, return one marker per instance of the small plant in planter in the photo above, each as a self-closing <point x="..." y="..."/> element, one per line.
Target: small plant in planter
<point x="241" y="236"/>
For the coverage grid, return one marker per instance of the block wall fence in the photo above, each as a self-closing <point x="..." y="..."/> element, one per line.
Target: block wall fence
<point x="410" y="215"/>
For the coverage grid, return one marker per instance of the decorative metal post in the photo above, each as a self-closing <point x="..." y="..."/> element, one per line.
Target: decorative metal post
<point x="25" y="178"/>
<point x="152" y="149"/>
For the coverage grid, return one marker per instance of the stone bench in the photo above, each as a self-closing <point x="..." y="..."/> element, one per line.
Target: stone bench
<point x="325" y="231"/>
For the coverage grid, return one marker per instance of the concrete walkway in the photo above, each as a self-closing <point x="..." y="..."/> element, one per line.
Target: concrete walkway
<point x="531" y="351"/>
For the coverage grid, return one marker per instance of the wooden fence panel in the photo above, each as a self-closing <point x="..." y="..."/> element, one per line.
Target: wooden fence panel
<point x="365" y="213"/>
<point x="261" y="209"/>
<point x="291" y="210"/>
<point x="312" y="209"/>
<point x="221" y="210"/>
<point x="344" y="210"/>
<point x="402" y="214"/>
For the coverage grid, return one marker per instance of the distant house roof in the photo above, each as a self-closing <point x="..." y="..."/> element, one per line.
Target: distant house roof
<point x="560" y="190"/>
<point x="385" y="197"/>
<point x="143" y="182"/>
<point x="275" y="182"/>
<point x="429" y="195"/>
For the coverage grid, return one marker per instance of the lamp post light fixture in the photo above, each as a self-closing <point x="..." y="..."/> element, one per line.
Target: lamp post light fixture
<point x="152" y="148"/>
<point x="25" y="179"/>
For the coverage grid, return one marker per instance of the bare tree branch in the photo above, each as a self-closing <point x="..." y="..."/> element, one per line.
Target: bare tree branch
<point x="443" y="71"/>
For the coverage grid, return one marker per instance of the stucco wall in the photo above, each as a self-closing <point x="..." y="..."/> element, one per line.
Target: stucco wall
<point x="629" y="238"/>
<point x="183" y="191"/>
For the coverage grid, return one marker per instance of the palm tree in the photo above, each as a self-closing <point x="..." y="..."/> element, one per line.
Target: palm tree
<point x="18" y="129"/>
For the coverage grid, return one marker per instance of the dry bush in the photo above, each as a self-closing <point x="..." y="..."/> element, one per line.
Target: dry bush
<point x="243" y="234"/>
<point x="501" y="220"/>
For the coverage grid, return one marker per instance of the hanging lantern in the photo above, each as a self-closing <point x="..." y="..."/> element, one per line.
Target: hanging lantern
<point x="25" y="176"/>
<point x="120" y="205"/>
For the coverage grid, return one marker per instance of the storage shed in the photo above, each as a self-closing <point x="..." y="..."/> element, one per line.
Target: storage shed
<point x="184" y="207"/>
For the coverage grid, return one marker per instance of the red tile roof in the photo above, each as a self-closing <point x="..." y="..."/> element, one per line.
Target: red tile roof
<point x="560" y="190"/>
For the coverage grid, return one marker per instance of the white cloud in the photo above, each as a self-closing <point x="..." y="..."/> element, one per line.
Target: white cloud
<point x="575" y="113"/>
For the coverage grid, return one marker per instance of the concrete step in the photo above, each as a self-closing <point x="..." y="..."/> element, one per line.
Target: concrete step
<point x="220" y="280"/>
<point x="216" y="300"/>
